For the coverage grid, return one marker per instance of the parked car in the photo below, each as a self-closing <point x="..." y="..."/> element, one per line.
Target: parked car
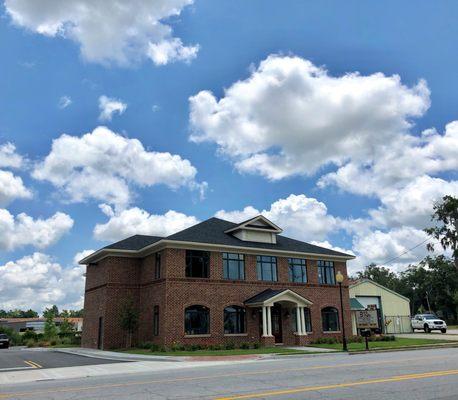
<point x="4" y="340"/>
<point x="428" y="323"/>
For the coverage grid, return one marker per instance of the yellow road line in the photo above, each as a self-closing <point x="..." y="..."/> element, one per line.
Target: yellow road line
<point x="30" y="364"/>
<point x="36" y="365"/>
<point x="398" y="378"/>
<point x="218" y="376"/>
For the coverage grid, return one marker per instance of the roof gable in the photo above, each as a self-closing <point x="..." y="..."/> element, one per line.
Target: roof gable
<point x="370" y="281"/>
<point x="259" y="222"/>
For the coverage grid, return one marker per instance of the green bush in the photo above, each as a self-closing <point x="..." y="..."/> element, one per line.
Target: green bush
<point x="244" y="345"/>
<point x="29" y="335"/>
<point x="256" y="345"/>
<point x="177" y="347"/>
<point x="215" y="347"/>
<point x="15" y="338"/>
<point x="155" y="348"/>
<point x="31" y="343"/>
<point x="229" y="346"/>
<point x="144" y="345"/>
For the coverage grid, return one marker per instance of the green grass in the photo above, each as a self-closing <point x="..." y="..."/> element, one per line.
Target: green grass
<point x="235" y="352"/>
<point x="452" y="327"/>
<point x="399" y="342"/>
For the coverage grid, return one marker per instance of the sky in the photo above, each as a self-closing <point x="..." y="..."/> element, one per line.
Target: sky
<point x="336" y="120"/>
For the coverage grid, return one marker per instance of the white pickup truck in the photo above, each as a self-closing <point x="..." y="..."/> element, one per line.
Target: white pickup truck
<point x="428" y="323"/>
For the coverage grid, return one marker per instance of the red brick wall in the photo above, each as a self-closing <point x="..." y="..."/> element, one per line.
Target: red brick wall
<point x="115" y="279"/>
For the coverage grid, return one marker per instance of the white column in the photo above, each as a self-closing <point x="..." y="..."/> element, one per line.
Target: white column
<point x="264" y="321"/>
<point x="304" y="331"/>
<point x="298" y="321"/>
<point x="269" y="321"/>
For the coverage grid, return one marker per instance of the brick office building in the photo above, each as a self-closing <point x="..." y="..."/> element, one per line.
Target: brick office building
<point x="213" y="283"/>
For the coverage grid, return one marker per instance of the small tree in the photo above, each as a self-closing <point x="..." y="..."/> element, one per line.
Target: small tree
<point x="66" y="327"/>
<point x="446" y="231"/>
<point x="50" y="327"/>
<point x="129" y="319"/>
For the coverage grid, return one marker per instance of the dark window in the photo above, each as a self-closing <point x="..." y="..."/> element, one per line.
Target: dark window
<point x="330" y="319"/>
<point x="157" y="270"/>
<point x="266" y="267"/>
<point x="156" y="320"/>
<point x="326" y="274"/>
<point x="233" y="266"/>
<point x="197" y="320"/>
<point x="234" y="320"/>
<point x="308" y="320"/>
<point x="197" y="263"/>
<point x="297" y="270"/>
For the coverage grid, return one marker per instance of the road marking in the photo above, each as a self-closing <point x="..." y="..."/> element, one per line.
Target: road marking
<point x="218" y="376"/>
<point x="398" y="378"/>
<point x="33" y="364"/>
<point x="30" y="364"/>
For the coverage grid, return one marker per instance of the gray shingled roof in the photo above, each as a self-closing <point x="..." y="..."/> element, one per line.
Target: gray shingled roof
<point x="135" y="242"/>
<point x="263" y="296"/>
<point x="212" y="230"/>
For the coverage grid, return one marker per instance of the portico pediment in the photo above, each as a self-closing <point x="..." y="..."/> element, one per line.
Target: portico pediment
<point x="270" y="296"/>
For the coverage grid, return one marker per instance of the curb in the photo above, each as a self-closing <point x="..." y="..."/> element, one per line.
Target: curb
<point x="406" y="348"/>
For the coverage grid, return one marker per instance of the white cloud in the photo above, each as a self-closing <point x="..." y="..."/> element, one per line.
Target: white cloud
<point x="399" y="162"/>
<point x="135" y="221"/>
<point x="8" y="156"/>
<point x="36" y="281"/>
<point x="292" y="117"/>
<point x="11" y="188"/>
<point x="102" y="165"/>
<point x="109" y="106"/>
<point x="108" y="32"/>
<point x="413" y="204"/>
<point x="23" y="230"/>
<point x="382" y="247"/>
<point x="299" y="216"/>
<point x="64" y="102"/>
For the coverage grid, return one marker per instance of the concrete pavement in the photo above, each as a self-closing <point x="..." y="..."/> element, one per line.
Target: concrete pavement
<point x="409" y="375"/>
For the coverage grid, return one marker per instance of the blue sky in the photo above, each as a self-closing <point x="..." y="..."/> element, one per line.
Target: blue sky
<point x="332" y="156"/>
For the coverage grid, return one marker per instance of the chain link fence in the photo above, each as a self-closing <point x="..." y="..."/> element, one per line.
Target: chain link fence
<point x="397" y="324"/>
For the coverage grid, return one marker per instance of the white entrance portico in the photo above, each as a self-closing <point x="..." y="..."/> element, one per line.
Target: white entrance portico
<point x="270" y="300"/>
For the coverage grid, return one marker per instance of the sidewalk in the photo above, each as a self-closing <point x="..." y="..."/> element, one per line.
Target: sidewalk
<point x="36" y="375"/>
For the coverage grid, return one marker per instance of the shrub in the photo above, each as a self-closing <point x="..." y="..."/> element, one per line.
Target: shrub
<point x="215" y="347"/>
<point x="31" y="343"/>
<point x="144" y="345"/>
<point x="29" y="335"/>
<point x="244" y="345"/>
<point x="155" y="348"/>
<point x="256" y="345"/>
<point x="53" y="342"/>
<point x="43" y="343"/>
<point x="177" y="347"/>
<point x="229" y="346"/>
<point x="66" y="340"/>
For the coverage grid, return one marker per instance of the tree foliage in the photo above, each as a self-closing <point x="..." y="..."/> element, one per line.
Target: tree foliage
<point x="50" y="326"/>
<point x="16" y="313"/>
<point x="446" y="229"/>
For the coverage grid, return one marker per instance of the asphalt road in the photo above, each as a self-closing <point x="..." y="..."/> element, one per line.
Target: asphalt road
<point x="408" y="375"/>
<point x="14" y="359"/>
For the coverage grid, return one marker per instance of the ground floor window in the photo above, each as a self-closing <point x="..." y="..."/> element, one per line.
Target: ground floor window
<point x="156" y="320"/>
<point x="197" y="320"/>
<point x="234" y="320"/>
<point x="330" y="319"/>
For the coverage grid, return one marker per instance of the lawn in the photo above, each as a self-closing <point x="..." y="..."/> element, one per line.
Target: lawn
<point x="235" y="352"/>
<point x="399" y="342"/>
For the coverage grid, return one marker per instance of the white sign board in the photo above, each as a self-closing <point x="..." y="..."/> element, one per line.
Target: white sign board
<point x="367" y="319"/>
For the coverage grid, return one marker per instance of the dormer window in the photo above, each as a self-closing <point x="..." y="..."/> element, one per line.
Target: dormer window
<point x="258" y="229"/>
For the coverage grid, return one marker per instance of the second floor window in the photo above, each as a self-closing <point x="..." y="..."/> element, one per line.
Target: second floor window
<point x="297" y="270"/>
<point x="157" y="269"/>
<point x="326" y="274"/>
<point x="266" y="267"/>
<point x="197" y="264"/>
<point x="233" y="266"/>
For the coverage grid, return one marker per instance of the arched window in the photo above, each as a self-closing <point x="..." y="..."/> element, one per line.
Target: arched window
<point x="234" y="320"/>
<point x="197" y="320"/>
<point x="330" y="319"/>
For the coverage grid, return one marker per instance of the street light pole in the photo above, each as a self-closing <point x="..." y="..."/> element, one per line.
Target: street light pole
<point x="339" y="279"/>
